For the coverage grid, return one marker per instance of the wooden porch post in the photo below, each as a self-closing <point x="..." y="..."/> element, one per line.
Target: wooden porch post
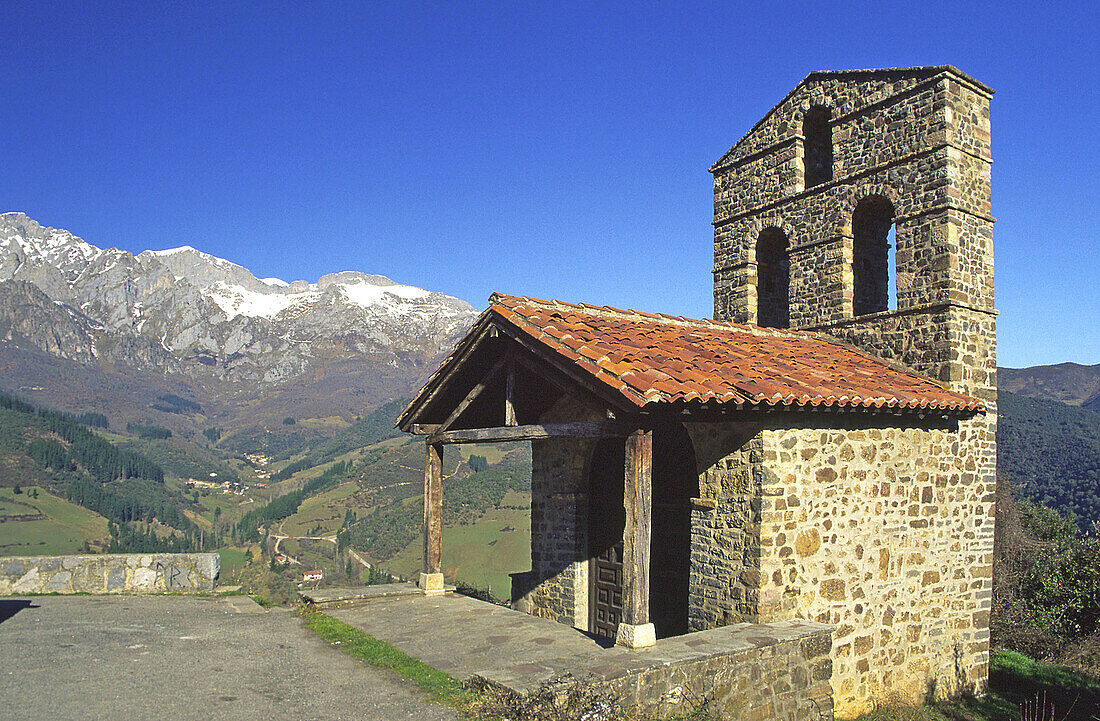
<point x="431" y="575"/>
<point x="635" y="630"/>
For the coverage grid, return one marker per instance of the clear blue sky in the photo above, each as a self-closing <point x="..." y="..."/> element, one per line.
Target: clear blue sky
<point x="556" y="150"/>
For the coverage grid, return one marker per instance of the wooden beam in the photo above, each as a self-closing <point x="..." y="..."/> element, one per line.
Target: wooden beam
<point x="423" y="429"/>
<point x="476" y="391"/>
<point x="433" y="509"/>
<point x="577" y="429"/>
<point x="467" y="345"/>
<point x="510" y="391"/>
<point x="637" y="499"/>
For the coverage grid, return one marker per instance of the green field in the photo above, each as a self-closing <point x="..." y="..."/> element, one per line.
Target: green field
<point x="483" y="553"/>
<point x="65" y="529"/>
<point x="232" y="561"/>
<point x="325" y="509"/>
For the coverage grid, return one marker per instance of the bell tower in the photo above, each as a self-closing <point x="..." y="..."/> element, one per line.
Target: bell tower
<point x="859" y="206"/>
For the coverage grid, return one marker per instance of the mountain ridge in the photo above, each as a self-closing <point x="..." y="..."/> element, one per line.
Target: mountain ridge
<point x="186" y="319"/>
<point x="1071" y="383"/>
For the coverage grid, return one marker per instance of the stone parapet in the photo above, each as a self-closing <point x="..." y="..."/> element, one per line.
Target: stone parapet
<point x="109" y="573"/>
<point x="750" y="671"/>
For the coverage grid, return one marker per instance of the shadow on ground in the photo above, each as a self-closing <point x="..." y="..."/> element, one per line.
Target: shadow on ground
<point x="1023" y="688"/>
<point x="11" y="606"/>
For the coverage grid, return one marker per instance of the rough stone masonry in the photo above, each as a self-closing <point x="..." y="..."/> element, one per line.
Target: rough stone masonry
<point x="109" y="573"/>
<point x="885" y="532"/>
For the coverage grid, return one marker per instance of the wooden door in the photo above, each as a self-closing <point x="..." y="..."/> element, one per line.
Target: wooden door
<point x="606" y="520"/>
<point x="607" y="591"/>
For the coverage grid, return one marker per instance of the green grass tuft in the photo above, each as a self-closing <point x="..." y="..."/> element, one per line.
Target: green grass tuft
<point x="379" y="653"/>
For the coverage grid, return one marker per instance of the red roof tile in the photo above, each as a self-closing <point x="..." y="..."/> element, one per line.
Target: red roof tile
<point x="650" y="358"/>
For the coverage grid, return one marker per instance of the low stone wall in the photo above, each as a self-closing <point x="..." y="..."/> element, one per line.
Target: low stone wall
<point x="768" y="671"/>
<point x="109" y="573"/>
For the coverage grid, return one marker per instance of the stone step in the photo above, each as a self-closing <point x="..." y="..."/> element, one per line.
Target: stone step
<point x="340" y="596"/>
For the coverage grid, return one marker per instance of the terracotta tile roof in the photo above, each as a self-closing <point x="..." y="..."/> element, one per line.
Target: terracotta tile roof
<point x="651" y="359"/>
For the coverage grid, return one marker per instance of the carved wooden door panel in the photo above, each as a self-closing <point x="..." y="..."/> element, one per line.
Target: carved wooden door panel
<point x="606" y="520"/>
<point x="607" y="591"/>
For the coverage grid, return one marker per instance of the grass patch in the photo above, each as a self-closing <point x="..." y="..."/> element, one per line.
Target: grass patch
<point x="1016" y="679"/>
<point x="64" y="530"/>
<point x="481" y="553"/>
<point x="326" y="510"/>
<point x="381" y="654"/>
<point x="1016" y="683"/>
<point x="232" y="560"/>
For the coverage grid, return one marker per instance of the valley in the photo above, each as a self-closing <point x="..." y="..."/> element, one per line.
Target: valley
<point x="264" y="413"/>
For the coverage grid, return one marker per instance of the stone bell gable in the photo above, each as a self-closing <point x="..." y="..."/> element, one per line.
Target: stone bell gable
<point x="803" y="204"/>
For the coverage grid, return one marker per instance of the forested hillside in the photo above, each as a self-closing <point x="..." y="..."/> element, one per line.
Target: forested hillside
<point x="62" y="454"/>
<point x="389" y="528"/>
<point x="1072" y="383"/>
<point x="1051" y="452"/>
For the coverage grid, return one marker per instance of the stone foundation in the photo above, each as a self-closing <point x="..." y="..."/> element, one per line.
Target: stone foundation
<point x="109" y="573"/>
<point x="756" y="672"/>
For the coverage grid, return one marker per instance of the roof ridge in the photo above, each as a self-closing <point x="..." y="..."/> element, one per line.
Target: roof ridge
<point x="608" y="311"/>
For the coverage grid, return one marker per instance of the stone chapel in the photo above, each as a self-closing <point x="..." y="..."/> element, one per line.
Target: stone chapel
<point x="824" y="449"/>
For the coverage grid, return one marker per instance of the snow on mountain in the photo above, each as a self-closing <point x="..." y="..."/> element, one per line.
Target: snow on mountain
<point x="181" y="310"/>
<point x="366" y="294"/>
<point x="235" y="300"/>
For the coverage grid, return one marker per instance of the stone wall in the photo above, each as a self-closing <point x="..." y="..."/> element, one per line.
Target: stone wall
<point x="886" y="533"/>
<point x="917" y="496"/>
<point x="109" y="573"/>
<point x="773" y="671"/>
<point x="556" y="587"/>
<point x="881" y="529"/>
<point x="725" y="548"/>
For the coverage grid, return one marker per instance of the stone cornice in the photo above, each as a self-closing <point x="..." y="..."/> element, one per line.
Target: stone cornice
<point x="883" y="314"/>
<point x="845" y="180"/>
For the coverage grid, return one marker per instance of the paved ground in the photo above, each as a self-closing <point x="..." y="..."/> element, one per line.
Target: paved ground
<point x="173" y="657"/>
<point x="465" y="637"/>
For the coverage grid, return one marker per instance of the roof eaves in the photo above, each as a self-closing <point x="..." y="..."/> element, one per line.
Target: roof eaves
<point x="462" y="347"/>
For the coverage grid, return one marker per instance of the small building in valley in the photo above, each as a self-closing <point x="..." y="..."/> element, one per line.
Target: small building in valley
<point x="824" y="449"/>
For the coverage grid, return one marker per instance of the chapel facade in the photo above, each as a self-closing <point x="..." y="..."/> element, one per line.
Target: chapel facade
<point x="823" y="450"/>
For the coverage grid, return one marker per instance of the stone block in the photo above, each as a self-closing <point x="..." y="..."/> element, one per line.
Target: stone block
<point x="636" y="636"/>
<point x="431" y="584"/>
<point x="144" y="578"/>
<point x="29" y="582"/>
<point x="59" y="582"/>
<point x="116" y="578"/>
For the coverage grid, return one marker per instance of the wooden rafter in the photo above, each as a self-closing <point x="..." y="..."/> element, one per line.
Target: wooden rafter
<point x="476" y="391"/>
<point x="576" y="429"/>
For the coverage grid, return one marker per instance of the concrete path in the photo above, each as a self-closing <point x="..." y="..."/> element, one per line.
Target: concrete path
<point x="465" y="637"/>
<point x="173" y="657"/>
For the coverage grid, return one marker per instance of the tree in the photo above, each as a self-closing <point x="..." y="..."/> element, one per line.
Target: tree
<point x="17" y="490"/>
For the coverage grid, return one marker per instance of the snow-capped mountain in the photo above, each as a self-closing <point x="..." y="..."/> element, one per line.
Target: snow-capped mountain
<point x="185" y="314"/>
